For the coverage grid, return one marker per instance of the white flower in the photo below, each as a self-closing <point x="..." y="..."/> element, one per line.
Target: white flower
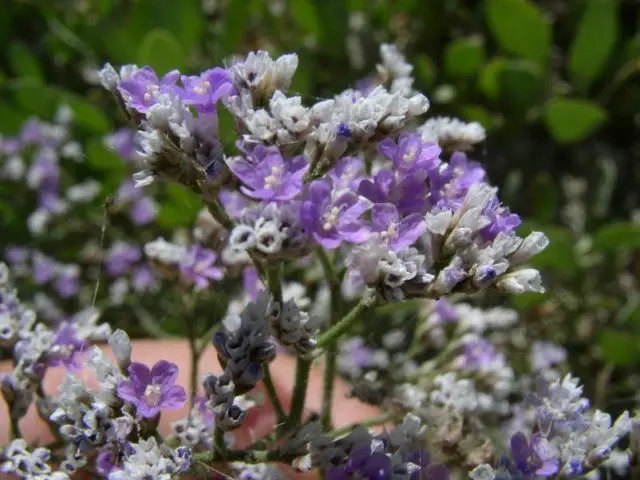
<point x="521" y="281"/>
<point x="452" y="133"/>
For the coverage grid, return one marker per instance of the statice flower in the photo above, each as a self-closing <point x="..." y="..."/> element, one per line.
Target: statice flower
<point x="452" y="134"/>
<point x="29" y="464"/>
<point x="268" y="176"/>
<point x="151" y="390"/>
<point x="197" y="266"/>
<point x="333" y="216"/>
<point x="146" y="459"/>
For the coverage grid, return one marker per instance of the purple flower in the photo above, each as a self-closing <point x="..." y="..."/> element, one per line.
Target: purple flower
<point x="198" y="266"/>
<point x="233" y="202"/>
<point x="407" y="192"/>
<point x="67" y="284"/>
<point x="143" y="279"/>
<point x="267" y="176"/>
<point x="44" y="269"/>
<point x="478" y="354"/>
<point x="446" y="311"/>
<point x="203" y="91"/>
<point x="363" y="463"/>
<point x="252" y="282"/>
<point x="152" y="390"/>
<point x="347" y="173"/>
<point x="67" y="348"/>
<point x="16" y="255"/>
<point x="142" y="88"/>
<point x="105" y="462"/>
<point x="502" y="220"/>
<point x="128" y="192"/>
<point x="546" y="354"/>
<point x="535" y="458"/>
<point x="120" y="258"/>
<point x="144" y="211"/>
<point x="411" y="153"/>
<point x="124" y="142"/>
<point x="354" y="353"/>
<point x="331" y="220"/>
<point x="397" y="233"/>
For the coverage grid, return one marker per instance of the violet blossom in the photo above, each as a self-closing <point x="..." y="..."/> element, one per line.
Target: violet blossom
<point x="151" y="390"/>
<point x="397" y="233"/>
<point x="197" y="266"/>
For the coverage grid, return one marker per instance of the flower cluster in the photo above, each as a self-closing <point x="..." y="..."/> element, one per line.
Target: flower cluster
<point x="332" y="232"/>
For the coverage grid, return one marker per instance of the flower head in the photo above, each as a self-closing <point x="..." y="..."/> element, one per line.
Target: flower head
<point x="152" y="390"/>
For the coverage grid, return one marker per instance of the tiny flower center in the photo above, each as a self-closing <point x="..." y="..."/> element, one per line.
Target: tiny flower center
<point x="152" y="394"/>
<point x="152" y="92"/>
<point x="410" y="156"/>
<point x="331" y="218"/>
<point x="202" y="88"/>
<point x="391" y="233"/>
<point x="65" y="350"/>
<point x="273" y="180"/>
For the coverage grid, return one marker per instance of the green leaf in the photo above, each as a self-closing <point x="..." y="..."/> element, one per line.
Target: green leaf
<point x="519" y="27"/>
<point x="464" y="56"/>
<point x="161" y="50"/>
<point x="489" y="80"/>
<point x="180" y="208"/>
<point x="235" y="17"/>
<point x="306" y="15"/>
<point x="426" y="70"/>
<point x="521" y="84"/>
<point x="613" y="236"/>
<point x="86" y="114"/>
<point x="619" y="348"/>
<point x="23" y="63"/>
<point x="102" y="158"/>
<point x="572" y="119"/>
<point x="594" y="41"/>
<point x="476" y="113"/>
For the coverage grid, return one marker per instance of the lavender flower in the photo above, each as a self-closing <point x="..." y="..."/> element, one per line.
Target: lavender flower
<point x="268" y="176"/>
<point x="397" y="233"/>
<point x="67" y="348"/>
<point x="534" y="457"/>
<point x="410" y="153"/>
<point x="152" y="390"/>
<point x="197" y="266"/>
<point x="331" y="217"/>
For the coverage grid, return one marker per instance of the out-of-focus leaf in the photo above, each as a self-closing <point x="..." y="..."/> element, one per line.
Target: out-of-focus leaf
<point x="161" y="50"/>
<point x="594" y="41"/>
<point x="476" y="113"/>
<point x="426" y="70"/>
<point x="226" y="127"/>
<point x="86" y="114"/>
<point x="527" y="301"/>
<point x="35" y="98"/>
<point x="619" y="348"/>
<point x="10" y="119"/>
<point x="306" y="15"/>
<point x="614" y="236"/>
<point x="23" y="63"/>
<point x="180" y="208"/>
<point x="520" y="27"/>
<point x="545" y="199"/>
<point x="572" y="119"/>
<point x="521" y="84"/>
<point x="100" y="157"/>
<point x="464" y="56"/>
<point x="489" y="80"/>
<point x="235" y="16"/>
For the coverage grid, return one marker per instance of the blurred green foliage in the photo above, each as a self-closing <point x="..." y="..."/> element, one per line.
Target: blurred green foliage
<point x="555" y="82"/>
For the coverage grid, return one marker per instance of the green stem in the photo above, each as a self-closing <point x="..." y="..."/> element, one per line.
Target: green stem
<point x="247" y="456"/>
<point x="273" y="395"/>
<point x="303" y="367"/>
<point x="274" y="281"/>
<point x="15" y="427"/>
<point x="371" y="422"/>
<point x="332" y="350"/>
<point x="219" y="447"/>
<point x="332" y="335"/>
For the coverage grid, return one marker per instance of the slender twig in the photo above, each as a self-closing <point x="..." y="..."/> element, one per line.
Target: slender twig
<point x="332" y="350"/>
<point x="332" y="335"/>
<point x="273" y="395"/>
<point x="274" y="284"/>
<point x="303" y="367"/>
<point x="219" y="446"/>
<point x="370" y="422"/>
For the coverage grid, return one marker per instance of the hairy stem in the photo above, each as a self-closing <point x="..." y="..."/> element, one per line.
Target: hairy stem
<point x="219" y="447"/>
<point x="274" y="284"/>
<point x="273" y="395"/>
<point x="332" y="335"/>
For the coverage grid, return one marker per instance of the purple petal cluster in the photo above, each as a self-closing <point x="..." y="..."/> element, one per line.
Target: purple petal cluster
<point x="151" y="390"/>
<point x="198" y="266"/>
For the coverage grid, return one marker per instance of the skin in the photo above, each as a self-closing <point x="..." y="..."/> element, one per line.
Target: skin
<point x="259" y="422"/>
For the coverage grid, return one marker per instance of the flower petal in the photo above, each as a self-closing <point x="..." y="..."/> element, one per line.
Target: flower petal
<point x="164" y="373"/>
<point x="173" y="398"/>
